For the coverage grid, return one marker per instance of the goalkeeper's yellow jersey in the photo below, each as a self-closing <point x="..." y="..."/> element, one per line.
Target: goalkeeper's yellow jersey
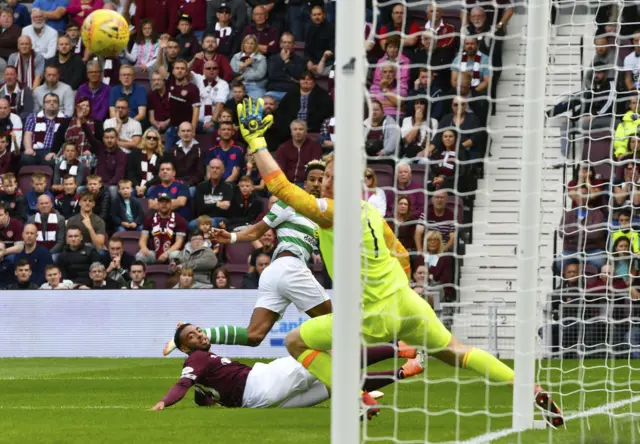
<point x="385" y="262"/>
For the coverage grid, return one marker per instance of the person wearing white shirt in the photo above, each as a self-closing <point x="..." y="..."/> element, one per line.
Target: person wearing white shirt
<point x="53" y="275"/>
<point x="129" y="130"/>
<point x="214" y="92"/>
<point x="43" y="37"/>
<point x="632" y="65"/>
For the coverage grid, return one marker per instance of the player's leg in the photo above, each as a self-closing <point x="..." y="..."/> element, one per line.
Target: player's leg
<point x="299" y="286"/>
<point x="309" y="343"/>
<point x="316" y="394"/>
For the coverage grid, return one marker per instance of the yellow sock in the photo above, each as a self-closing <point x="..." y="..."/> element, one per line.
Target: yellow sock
<point x="487" y="365"/>
<point x="319" y="365"/>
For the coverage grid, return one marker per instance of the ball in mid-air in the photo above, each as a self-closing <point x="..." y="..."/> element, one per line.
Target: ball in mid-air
<point x="105" y="33"/>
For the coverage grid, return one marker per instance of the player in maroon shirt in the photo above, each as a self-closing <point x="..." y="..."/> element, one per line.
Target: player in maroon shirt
<point x="283" y="382"/>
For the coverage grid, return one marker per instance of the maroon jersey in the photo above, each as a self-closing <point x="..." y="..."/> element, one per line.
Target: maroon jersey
<point x="223" y="378"/>
<point x="182" y="100"/>
<point x="12" y="232"/>
<point x="163" y="232"/>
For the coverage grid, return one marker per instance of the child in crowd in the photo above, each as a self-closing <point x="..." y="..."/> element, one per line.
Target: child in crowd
<point x="144" y="53"/>
<point x="127" y="214"/>
<point x="204" y="225"/>
<point x="13" y="198"/>
<point x="250" y="169"/>
<point x="38" y="188"/>
<point x="101" y="196"/>
<point x="70" y="165"/>
<point x="66" y="203"/>
<point x="9" y="153"/>
<point x="78" y="48"/>
<point x="189" y="45"/>
<point x="246" y="205"/>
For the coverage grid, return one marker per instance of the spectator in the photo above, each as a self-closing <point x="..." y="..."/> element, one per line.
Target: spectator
<point x="467" y="125"/>
<point x="37" y="255"/>
<point x="238" y="94"/>
<point x="236" y="8"/>
<point x="399" y="26"/>
<point x="10" y="126"/>
<point x="71" y="66"/>
<point x="127" y="214"/>
<point x="143" y="163"/>
<point x="167" y="56"/>
<point x="627" y="128"/>
<point x="9" y="34"/>
<point x="472" y="60"/>
<point x="293" y="156"/>
<point x="389" y="92"/>
<point x="101" y="196"/>
<point x="50" y="225"/>
<point x="118" y="262"/>
<point x="29" y="66"/>
<point x="266" y="36"/>
<point x="604" y="56"/>
<point x="265" y="245"/>
<point x="77" y="46"/>
<point x="631" y="65"/>
<point x="69" y="166"/>
<point x="112" y="161"/>
<point x="188" y="157"/>
<point x="449" y="167"/>
<point x="20" y="98"/>
<point x="584" y="234"/>
<point x="309" y="103"/>
<point x="52" y="85"/>
<point x="9" y="151"/>
<point x="250" y="66"/>
<point x="196" y="256"/>
<point x="184" y="102"/>
<point x="250" y="169"/>
<point x="285" y="69"/>
<point x="382" y="133"/>
<point x="74" y="133"/>
<point x="273" y="136"/>
<point x="96" y="91"/>
<point x="209" y="54"/>
<point x="250" y="280"/>
<point x="374" y="195"/>
<point x="10" y="228"/>
<point x="222" y="279"/>
<point x="38" y="188"/>
<point x="445" y="33"/>
<point x="55" y="12"/>
<point x="213" y="196"/>
<point x="398" y="61"/>
<point x="320" y="42"/>
<point x="138" y="273"/>
<point x="43" y="36"/>
<point x="620" y="260"/>
<point x="23" y="277"/>
<point x="404" y="223"/>
<point x="587" y="176"/>
<point x="159" y="108"/>
<point x="20" y="13"/>
<point x="144" y="53"/>
<point x="99" y="279"/>
<point x="213" y="95"/>
<point x="92" y="226"/>
<point x="77" y="257"/>
<point x="128" y="129"/>
<point x="231" y="155"/>
<point x="53" y="275"/>
<point x="12" y="197"/>
<point x="440" y="266"/>
<point x="187" y="39"/>
<point x="164" y="15"/>
<point x="624" y="231"/>
<point x="226" y="35"/>
<point x="44" y="132"/>
<point x="164" y="232"/>
<point x="187" y="280"/>
<point x="168" y="184"/>
<point x="135" y="95"/>
<point x="433" y="60"/>
<point x="246" y="206"/>
<point x="417" y="130"/>
<point x="67" y="203"/>
<point x="441" y="219"/>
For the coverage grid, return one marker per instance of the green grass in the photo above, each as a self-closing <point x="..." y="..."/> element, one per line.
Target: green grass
<point x="108" y="401"/>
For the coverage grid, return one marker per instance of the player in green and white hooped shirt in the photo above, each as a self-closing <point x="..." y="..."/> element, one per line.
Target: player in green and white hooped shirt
<point x="288" y="279"/>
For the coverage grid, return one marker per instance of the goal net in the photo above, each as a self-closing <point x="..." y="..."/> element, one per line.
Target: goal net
<point x="445" y="147"/>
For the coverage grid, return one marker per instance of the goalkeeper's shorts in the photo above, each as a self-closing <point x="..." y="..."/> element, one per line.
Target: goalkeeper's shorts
<point x="406" y="317"/>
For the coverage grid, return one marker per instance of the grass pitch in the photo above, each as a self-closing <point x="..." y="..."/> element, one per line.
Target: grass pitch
<point x="108" y="401"/>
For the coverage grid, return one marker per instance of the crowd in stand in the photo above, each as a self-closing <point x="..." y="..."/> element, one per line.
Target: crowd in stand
<point x="116" y="167"/>
<point x="597" y="261"/>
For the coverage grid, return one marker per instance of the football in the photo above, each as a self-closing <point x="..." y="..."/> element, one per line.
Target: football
<point x="105" y="33"/>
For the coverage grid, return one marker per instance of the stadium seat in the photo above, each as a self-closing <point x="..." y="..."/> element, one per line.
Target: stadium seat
<point x="236" y="272"/>
<point x="298" y="49"/>
<point x="455" y="204"/>
<point x="238" y="253"/>
<point x="418" y="173"/>
<point x="384" y="174"/>
<point x="130" y="240"/>
<point x="598" y="149"/>
<point x="159" y="273"/>
<point x="24" y="176"/>
<point x="144" y="203"/>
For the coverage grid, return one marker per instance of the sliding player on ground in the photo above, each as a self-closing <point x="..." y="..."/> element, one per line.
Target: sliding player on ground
<point x="280" y="383"/>
<point x="391" y="309"/>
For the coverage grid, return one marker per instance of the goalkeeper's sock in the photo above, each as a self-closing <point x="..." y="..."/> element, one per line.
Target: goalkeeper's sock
<point x="319" y="365"/>
<point x="377" y="380"/>
<point x="227" y="334"/>
<point x="487" y="365"/>
<point x="377" y="354"/>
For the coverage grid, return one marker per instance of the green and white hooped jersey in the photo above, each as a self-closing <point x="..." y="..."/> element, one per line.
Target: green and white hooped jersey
<point x="296" y="233"/>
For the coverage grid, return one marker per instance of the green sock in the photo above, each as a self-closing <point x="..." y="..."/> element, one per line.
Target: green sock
<point x="227" y="334"/>
<point x="487" y="365"/>
<point x="318" y="363"/>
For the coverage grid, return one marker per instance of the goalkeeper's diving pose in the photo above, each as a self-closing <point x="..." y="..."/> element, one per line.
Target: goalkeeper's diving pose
<point x="391" y="309"/>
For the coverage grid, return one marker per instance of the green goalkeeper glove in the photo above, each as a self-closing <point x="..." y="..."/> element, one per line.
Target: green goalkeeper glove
<point x="252" y="123"/>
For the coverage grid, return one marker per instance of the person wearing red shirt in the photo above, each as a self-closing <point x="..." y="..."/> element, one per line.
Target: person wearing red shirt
<point x="445" y="32"/>
<point x="162" y="233"/>
<point x="163" y="14"/>
<point x="209" y="48"/>
<point x="398" y="26"/>
<point x="10" y="228"/>
<point x="295" y="154"/>
<point x="268" y="42"/>
<point x="184" y="102"/>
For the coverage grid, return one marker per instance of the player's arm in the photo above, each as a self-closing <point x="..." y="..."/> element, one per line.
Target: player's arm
<point x="397" y="248"/>
<point x="254" y="232"/>
<point x="176" y="394"/>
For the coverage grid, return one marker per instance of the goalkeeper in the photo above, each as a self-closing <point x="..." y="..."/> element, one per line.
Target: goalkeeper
<point x="391" y="309"/>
